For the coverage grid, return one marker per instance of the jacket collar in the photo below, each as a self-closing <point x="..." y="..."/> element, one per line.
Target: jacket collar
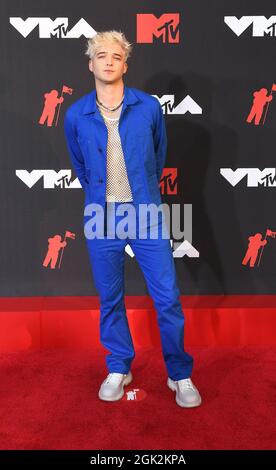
<point x="90" y="105"/>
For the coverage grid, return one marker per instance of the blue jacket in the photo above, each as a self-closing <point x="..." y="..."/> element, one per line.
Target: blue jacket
<point x="143" y="138"/>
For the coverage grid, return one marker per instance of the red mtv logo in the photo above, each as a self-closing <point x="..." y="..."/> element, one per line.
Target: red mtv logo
<point x="168" y="182"/>
<point x="167" y="27"/>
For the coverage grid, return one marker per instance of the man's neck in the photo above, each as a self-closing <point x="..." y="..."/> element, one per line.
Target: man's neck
<point x="110" y="94"/>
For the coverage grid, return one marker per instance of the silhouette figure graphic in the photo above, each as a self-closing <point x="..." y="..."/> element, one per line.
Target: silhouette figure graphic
<point x="255" y="243"/>
<point x="131" y="395"/>
<point x="259" y="101"/>
<point x="54" y="246"/>
<point x="50" y="104"/>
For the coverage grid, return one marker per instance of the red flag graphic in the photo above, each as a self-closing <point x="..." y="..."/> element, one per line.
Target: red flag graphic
<point x="269" y="233"/>
<point x="66" y="89"/>
<point x="70" y="235"/>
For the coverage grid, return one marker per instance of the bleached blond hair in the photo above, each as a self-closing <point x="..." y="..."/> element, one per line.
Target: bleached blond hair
<point x="108" y="36"/>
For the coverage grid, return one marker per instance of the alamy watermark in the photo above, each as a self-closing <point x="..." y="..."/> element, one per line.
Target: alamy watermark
<point x="127" y="220"/>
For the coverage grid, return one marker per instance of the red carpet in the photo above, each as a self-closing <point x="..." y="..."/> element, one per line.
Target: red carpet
<point x="49" y="401"/>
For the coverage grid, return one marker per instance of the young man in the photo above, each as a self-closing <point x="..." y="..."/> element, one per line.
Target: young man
<point x="117" y="142"/>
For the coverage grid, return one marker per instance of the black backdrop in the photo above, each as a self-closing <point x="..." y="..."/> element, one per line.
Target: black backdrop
<point x="210" y="63"/>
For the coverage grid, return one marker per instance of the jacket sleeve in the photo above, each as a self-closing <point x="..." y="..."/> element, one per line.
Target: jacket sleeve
<point x="74" y="149"/>
<point x="160" y="140"/>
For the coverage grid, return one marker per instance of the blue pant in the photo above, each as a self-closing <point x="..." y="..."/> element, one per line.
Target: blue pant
<point x="155" y="258"/>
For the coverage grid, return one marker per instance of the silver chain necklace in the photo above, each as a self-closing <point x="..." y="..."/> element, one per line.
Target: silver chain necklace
<point x="109" y="109"/>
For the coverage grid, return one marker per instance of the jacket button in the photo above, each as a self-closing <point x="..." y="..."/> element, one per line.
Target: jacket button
<point x="100" y="150"/>
<point x="100" y="180"/>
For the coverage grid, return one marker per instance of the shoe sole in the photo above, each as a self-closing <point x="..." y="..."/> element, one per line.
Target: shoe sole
<point x="173" y="388"/>
<point x="126" y="381"/>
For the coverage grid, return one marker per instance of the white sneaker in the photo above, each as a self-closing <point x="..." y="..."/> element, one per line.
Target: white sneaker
<point x="112" y="388"/>
<point x="187" y="395"/>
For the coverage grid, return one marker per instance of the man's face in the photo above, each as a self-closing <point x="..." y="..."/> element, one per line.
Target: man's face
<point x="109" y="56"/>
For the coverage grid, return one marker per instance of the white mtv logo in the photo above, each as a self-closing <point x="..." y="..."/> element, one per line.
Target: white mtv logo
<point x="51" y="179"/>
<point x="180" y="250"/>
<point x="255" y="176"/>
<point x="185" y="106"/>
<point x="262" y="26"/>
<point x="48" y="28"/>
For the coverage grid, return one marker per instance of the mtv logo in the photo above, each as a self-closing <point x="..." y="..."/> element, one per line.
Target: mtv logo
<point x="259" y="26"/>
<point x="165" y="27"/>
<point x="254" y="176"/>
<point x="187" y="105"/>
<point x="51" y="179"/>
<point x="48" y="28"/>
<point x="169" y="181"/>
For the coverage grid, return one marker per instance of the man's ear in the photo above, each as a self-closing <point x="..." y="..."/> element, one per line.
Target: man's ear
<point x="125" y="67"/>
<point x="90" y="65"/>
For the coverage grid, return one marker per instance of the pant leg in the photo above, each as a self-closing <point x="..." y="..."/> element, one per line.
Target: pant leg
<point x="157" y="264"/>
<point x="107" y="257"/>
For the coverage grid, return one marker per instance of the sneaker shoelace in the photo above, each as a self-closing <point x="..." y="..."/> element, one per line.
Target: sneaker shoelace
<point x="113" y="377"/>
